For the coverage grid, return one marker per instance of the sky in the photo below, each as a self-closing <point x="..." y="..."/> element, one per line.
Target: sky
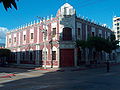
<point x="101" y="11"/>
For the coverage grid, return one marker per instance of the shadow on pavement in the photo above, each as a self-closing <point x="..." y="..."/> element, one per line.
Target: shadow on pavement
<point x="91" y="79"/>
<point x="46" y="81"/>
<point x="13" y="70"/>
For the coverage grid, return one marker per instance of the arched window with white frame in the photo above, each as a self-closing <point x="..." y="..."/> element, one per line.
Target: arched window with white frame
<point x="54" y="53"/>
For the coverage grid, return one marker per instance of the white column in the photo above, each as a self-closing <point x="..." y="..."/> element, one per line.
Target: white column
<point x="6" y="41"/>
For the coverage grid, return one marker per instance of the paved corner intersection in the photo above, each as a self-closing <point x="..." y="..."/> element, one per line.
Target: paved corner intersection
<point x="91" y="79"/>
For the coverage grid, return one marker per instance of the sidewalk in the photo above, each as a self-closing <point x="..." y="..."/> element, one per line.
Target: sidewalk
<point x="6" y="75"/>
<point x="78" y="68"/>
<point x="65" y="69"/>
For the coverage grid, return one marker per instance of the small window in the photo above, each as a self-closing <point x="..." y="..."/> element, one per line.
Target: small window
<point x="10" y="40"/>
<point x="100" y="35"/>
<point x="53" y="55"/>
<point x="65" y="10"/>
<point x="117" y="24"/>
<point x="31" y="35"/>
<point x="78" y="31"/>
<point x="108" y="37"/>
<point x="24" y="37"/>
<point x="54" y="32"/>
<point x="117" y="28"/>
<point x="118" y="19"/>
<point x="118" y="36"/>
<point x="93" y="34"/>
<point x="14" y="39"/>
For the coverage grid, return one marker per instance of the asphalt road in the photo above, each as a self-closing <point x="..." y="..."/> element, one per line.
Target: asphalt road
<point x="91" y="79"/>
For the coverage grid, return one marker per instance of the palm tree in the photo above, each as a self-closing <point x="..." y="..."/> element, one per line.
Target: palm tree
<point x="110" y="45"/>
<point x="4" y="55"/>
<point x="8" y="4"/>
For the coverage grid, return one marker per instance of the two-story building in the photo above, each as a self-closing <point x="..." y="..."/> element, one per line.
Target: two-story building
<point x="51" y="42"/>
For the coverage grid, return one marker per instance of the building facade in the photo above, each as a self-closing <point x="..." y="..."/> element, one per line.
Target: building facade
<point x="116" y="27"/>
<point x="116" y="30"/>
<point x="51" y="42"/>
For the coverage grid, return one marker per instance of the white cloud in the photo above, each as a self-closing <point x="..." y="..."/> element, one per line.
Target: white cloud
<point x="3" y="31"/>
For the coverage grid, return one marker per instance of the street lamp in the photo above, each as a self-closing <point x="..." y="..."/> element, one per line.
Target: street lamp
<point x="44" y="31"/>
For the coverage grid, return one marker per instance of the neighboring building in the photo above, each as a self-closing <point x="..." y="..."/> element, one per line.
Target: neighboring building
<point x="2" y="45"/>
<point x="116" y="27"/>
<point x="116" y="30"/>
<point x="51" y="42"/>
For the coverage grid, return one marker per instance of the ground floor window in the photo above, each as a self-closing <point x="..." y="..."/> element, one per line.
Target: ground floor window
<point x="53" y="55"/>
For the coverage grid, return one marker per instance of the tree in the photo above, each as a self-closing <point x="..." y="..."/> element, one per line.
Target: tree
<point x="97" y="44"/>
<point x="4" y="53"/>
<point x="110" y="45"/>
<point x="114" y="42"/>
<point x="8" y="4"/>
<point x="81" y="44"/>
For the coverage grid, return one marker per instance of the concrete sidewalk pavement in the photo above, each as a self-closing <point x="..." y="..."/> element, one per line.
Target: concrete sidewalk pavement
<point x="78" y="68"/>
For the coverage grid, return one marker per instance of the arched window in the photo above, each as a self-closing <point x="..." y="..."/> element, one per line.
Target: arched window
<point x="54" y="53"/>
<point x="67" y="34"/>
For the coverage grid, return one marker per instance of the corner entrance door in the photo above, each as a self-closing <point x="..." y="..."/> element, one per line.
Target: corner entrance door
<point x="66" y="57"/>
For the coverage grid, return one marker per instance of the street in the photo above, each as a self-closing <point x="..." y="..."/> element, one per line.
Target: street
<point x="90" y="79"/>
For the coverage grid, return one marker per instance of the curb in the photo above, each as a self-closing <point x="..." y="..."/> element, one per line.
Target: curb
<point x="61" y="70"/>
<point x="46" y="69"/>
<point x="42" y="69"/>
<point x="79" y="69"/>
